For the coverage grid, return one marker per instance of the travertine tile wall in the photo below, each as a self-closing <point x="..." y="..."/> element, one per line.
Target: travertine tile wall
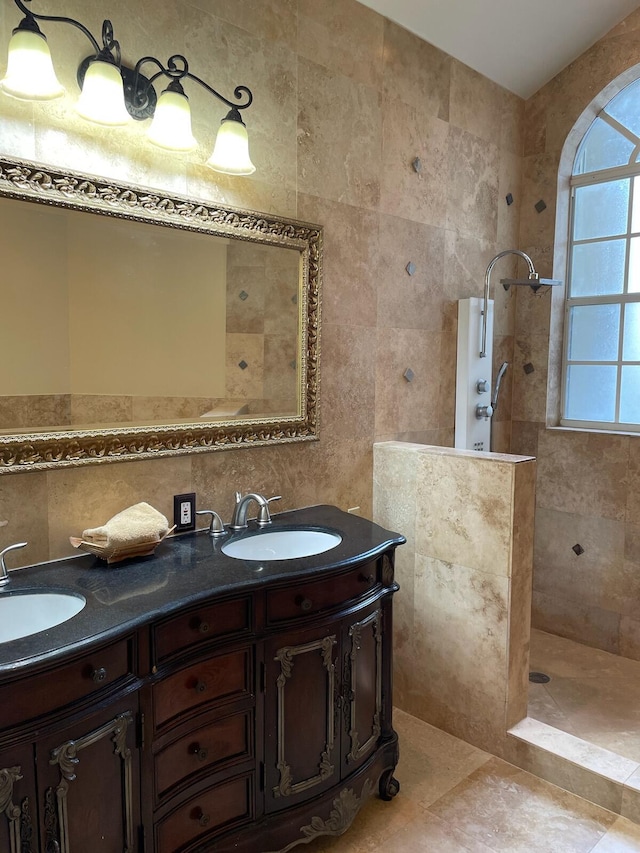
<point x="262" y="322"/>
<point x="85" y="411"/>
<point x="461" y="621"/>
<point x="344" y="101"/>
<point x="588" y="485"/>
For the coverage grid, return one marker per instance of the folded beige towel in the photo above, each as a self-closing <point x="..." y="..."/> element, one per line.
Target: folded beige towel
<point x="134" y="525"/>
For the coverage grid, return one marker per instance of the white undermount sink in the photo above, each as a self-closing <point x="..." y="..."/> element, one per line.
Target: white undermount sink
<point x="282" y="544"/>
<point x="26" y="613"/>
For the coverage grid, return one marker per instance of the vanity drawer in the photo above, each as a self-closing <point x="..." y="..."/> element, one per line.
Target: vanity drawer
<point x="216" y="679"/>
<point x="58" y="687"/>
<point x="316" y="596"/>
<point x="205" y="750"/>
<point x="201" y="625"/>
<point x="217" y="808"/>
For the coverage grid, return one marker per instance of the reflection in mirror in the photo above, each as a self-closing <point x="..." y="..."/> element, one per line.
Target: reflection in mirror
<point x="117" y="323"/>
<point x="161" y="326"/>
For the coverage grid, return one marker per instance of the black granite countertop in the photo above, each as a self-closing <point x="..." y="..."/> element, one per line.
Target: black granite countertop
<point x="184" y="570"/>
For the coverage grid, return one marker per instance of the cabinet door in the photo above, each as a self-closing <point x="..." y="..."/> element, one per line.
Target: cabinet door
<point x="18" y="819"/>
<point x="302" y="756"/>
<point x="362" y="688"/>
<point x="88" y="778"/>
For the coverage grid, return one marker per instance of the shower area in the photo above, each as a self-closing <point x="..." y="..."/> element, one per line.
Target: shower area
<point x="477" y="394"/>
<point x="586" y="692"/>
<point x="585" y="639"/>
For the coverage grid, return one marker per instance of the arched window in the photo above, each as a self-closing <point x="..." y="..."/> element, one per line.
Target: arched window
<point x="601" y="367"/>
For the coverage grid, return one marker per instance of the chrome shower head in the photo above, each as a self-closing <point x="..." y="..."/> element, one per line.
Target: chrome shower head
<point x="533" y="281"/>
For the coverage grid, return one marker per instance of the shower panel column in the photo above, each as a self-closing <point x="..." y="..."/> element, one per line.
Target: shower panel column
<point x="473" y="375"/>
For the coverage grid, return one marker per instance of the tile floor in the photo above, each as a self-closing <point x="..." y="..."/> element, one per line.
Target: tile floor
<point x="455" y="798"/>
<point x="593" y="695"/>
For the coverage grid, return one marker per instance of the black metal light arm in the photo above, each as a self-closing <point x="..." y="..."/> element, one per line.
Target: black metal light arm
<point x="177" y="69"/>
<point x="238" y="93"/>
<point x="109" y="43"/>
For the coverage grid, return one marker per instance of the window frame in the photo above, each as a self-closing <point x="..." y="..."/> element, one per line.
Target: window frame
<point x="631" y="172"/>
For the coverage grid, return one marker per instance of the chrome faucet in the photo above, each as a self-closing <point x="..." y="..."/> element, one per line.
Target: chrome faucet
<point x="239" y="520"/>
<point x="4" y="574"/>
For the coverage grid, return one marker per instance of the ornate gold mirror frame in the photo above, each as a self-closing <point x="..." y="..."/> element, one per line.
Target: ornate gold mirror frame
<point x="42" y="449"/>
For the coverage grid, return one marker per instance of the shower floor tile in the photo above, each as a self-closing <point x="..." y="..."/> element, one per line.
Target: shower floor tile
<point x="592" y="694"/>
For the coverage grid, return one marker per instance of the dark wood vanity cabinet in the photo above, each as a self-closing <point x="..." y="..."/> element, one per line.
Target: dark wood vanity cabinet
<point x="325" y="686"/>
<point x="18" y="800"/>
<point x="75" y="789"/>
<point x="323" y="705"/>
<point x="247" y="722"/>
<point x="88" y="781"/>
<point x="69" y="768"/>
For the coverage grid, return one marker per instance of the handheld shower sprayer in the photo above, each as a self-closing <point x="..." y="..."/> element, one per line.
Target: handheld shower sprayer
<point x="496" y="389"/>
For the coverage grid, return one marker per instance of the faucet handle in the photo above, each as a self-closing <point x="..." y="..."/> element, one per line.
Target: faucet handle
<point x="216" y="526"/>
<point x="264" y="516"/>
<point x="4" y="574"/>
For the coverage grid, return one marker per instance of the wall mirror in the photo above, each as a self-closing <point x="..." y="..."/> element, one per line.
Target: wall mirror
<point x="139" y="324"/>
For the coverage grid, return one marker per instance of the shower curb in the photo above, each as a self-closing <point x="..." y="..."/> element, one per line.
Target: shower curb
<point x="596" y="774"/>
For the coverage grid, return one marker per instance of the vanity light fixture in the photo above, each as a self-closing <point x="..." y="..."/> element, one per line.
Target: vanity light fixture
<point x="30" y="73"/>
<point x="171" y="125"/>
<point x="114" y="94"/>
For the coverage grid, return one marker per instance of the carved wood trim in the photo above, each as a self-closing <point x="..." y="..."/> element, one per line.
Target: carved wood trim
<point x="345" y="807"/>
<point x="70" y="448"/>
<point x="52" y="834"/>
<point x="372" y="621"/>
<point x="286" y="786"/>
<point x="8" y="777"/>
<point x="66" y="757"/>
<point x="26" y="826"/>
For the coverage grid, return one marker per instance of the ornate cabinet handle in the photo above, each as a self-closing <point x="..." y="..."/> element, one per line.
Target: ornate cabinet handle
<point x="99" y="674"/>
<point x="200" y="752"/>
<point x="199" y="625"/>
<point x="305" y="603"/>
<point x="202" y="818"/>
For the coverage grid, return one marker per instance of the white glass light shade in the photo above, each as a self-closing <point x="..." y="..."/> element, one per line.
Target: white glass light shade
<point x="102" y="96"/>
<point x="231" y="151"/>
<point x="171" y="125"/>
<point x="30" y="73"/>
